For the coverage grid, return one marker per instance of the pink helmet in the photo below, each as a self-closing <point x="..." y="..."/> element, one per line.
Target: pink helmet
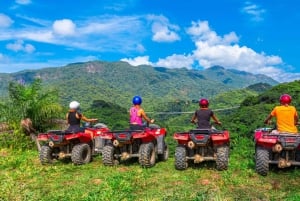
<point x="285" y="99"/>
<point x="203" y="102"/>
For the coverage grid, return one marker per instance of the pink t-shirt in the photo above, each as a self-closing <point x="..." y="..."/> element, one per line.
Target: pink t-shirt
<point x="134" y="116"/>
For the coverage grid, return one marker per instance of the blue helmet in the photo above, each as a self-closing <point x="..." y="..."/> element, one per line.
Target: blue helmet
<point x="137" y="100"/>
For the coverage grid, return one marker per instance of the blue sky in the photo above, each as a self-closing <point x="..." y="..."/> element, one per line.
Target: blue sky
<point x="261" y="37"/>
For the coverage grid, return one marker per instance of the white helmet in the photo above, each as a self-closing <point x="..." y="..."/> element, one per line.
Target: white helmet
<point x="74" y="105"/>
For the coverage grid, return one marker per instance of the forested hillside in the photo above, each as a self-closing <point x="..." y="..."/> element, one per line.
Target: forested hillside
<point x="254" y="109"/>
<point x="117" y="82"/>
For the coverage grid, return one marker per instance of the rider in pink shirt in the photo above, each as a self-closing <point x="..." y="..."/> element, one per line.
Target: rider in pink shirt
<point x="137" y="114"/>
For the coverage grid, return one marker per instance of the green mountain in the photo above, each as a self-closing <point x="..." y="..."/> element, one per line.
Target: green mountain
<point x="117" y="82"/>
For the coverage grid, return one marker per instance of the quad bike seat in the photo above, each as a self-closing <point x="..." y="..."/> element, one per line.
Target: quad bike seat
<point x="60" y="132"/>
<point x="205" y="131"/>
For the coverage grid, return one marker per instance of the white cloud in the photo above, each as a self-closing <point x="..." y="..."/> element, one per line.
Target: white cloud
<point x="104" y="33"/>
<point x="37" y="21"/>
<point x="5" y="21"/>
<point x="37" y="35"/>
<point x="254" y="10"/>
<point x="200" y="31"/>
<point x="20" y="46"/>
<point x="23" y="2"/>
<point x="163" y="33"/>
<point x="162" y="30"/>
<point x="29" y="48"/>
<point x="64" y="27"/>
<point x="140" y="48"/>
<point x="176" y="61"/>
<point x="142" y="60"/>
<point x="212" y="49"/>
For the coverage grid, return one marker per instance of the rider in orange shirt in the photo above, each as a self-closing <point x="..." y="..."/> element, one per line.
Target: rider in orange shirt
<point x="285" y="114"/>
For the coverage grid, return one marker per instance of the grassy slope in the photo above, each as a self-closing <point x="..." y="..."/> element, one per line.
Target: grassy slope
<point x="24" y="178"/>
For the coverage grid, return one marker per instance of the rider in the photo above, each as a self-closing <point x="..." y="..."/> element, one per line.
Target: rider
<point x="203" y="115"/>
<point x="137" y="114"/>
<point x="285" y="114"/>
<point x="74" y="116"/>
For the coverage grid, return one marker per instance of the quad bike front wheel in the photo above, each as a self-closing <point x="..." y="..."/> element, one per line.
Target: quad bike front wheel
<point x="222" y="157"/>
<point x="46" y="155"/>
<point x="81" y="154"/>
<point x="180" y="158"/>
<point x="262" y="161"/>
<point x="165" y="155"/>
<point x="147" y="155"/>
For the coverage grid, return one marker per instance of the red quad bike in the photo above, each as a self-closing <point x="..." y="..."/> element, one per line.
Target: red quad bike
<point x="79" y="146"/>
<point x="198" y="145"/>
<point x="147" y="145"/>
<point x="281" y="149"/>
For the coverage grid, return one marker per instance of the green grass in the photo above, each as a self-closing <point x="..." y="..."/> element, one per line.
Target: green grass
<point x="24" y="178"/>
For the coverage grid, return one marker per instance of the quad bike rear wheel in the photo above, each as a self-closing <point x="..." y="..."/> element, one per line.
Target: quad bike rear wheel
<point x="46" y="155"/>
<point x="81" y="154"/>
<point x="262" y="161"/>
<point x="147" y="155"/>
<point x="108" y="155"/>
<point x="180" y="158"/>
<point x="222" y="157"/>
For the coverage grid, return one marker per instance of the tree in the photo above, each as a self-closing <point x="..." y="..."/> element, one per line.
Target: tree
<point x="30" y="101"/>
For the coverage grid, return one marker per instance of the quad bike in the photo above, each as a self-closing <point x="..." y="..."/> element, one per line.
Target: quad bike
<point x="274" y="148"/>
<point x="77" y="146"/>
<point x="198" y="145"/>
<point x="147" y="145"/>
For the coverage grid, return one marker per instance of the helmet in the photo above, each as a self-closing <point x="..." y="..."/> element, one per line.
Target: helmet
<point x="137" y="100"/>
<point x="203" y="102"/>
<point x="74" y="105"/>
<point x="285" y="99"/>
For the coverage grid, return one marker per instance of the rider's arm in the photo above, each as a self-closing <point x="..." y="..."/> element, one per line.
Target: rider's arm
<point x="296" y="119"/>
<point x="193" y="118"/>
<point x="143" y="114"/>
<point x="84" y="118"/>
<point x="267" y="121"/>
<point x="216" y="120"/>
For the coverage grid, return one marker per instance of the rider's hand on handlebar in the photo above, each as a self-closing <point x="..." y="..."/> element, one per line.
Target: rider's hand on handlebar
<point x="268" y="122"/>
<point x="152" y="121"/>
<point x="94" y="120"/>
<point x="219" y="123"/>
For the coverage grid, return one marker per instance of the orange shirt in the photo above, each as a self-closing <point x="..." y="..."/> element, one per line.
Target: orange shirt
<point x="285" y="118"/>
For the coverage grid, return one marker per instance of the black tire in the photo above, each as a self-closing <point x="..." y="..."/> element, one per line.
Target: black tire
<point x="180" y="158"/>
<point x="297" y="157"/>
<point x="108" y="155"/>
<point x="262" y="161"/>
<point x="147" y="155"/>
<point x="222" y="157"/>
<point x="46" y="155"/>
<point x="165" y="155"/>
<point x="81" y="154"/>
